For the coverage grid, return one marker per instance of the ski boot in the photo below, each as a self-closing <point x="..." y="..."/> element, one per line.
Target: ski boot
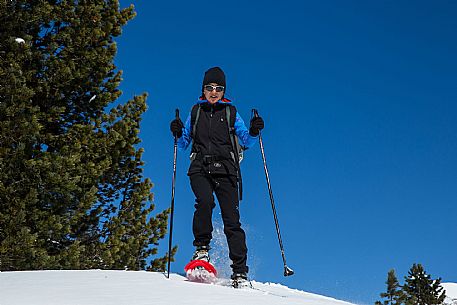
<point x="240" y="280"/>
<point x="201" y="253"/>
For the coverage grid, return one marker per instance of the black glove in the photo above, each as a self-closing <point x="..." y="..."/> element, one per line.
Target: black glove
<point x="257" y="125"/>
<point x="176" y="127"/>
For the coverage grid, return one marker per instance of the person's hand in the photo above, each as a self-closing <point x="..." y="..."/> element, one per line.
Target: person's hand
<point x="176" y="127"/>
<point x="257" y="125"/>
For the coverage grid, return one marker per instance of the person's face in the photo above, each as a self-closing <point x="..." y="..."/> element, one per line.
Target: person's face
<point x="213" y="92"/>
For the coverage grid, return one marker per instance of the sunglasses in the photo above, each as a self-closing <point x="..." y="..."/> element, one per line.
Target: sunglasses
<point x="211" y="88"/>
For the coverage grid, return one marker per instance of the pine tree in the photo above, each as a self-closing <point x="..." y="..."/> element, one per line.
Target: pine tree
<point x="394" y="294"/>
<point x="421" y="289"/>
<point x="72" y="191"/>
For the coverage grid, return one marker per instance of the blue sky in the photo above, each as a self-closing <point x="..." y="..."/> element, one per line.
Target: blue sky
<point x="359" y="100"/>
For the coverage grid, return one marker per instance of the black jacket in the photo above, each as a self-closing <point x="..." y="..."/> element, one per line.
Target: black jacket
<point x="212" y="148"/>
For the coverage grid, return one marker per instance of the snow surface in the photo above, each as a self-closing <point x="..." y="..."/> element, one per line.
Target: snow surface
<point x="97" y="287"/>
<point x="451" y="292"/>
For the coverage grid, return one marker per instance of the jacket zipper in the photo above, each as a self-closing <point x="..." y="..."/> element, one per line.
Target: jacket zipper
<point x="209" y="135"/>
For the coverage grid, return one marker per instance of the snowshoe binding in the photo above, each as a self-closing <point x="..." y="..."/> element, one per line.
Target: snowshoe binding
<point x="240" y="280"/>
<point x="199" y="269"/>
<point x="201" y="253"/>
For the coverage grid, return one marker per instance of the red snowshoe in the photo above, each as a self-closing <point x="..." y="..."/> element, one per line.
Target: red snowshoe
<point x="200" y="271"/>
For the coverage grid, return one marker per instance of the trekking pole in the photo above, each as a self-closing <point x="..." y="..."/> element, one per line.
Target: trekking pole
<point x="175" y="156"/>
<point x="287" y="270"/>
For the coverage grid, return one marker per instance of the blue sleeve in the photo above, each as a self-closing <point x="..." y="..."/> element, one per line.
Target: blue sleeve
<point x="243" y="133"/>
<point x="185" y="139"/>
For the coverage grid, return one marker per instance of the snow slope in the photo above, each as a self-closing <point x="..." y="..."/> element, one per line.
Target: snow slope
<point x="97" y="287"/>
<point x="451" y="292"/>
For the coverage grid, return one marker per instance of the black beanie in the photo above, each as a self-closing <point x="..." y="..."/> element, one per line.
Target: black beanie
<point x="214" y="75"/>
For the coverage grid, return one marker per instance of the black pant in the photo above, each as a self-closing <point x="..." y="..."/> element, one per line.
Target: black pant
<point x="225" y="188"/>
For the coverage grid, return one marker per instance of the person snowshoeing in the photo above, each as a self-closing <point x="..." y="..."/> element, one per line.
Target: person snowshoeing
<point x="213" y="127"/>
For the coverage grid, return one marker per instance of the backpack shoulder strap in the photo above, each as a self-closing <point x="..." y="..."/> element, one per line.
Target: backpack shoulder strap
<point x="230" y="112"/>
<point x="231" y="115"/>
<point x="194" y="116"/>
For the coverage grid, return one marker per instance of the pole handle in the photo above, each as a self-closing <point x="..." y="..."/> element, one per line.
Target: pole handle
<point x="177" y="117"/>
<point x="255" y="113"/>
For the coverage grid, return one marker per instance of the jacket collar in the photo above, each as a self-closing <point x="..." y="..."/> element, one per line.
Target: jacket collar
<point x="223" y="101"/>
